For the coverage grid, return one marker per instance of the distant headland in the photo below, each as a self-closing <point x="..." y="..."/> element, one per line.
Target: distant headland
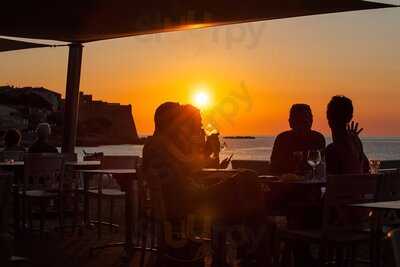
<point x="100" y="123"/>
<point x="240" y="137"/>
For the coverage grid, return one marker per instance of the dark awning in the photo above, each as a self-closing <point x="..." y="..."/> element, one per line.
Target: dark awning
<point x="10" y="45"/>
<point x="91" y="20"/>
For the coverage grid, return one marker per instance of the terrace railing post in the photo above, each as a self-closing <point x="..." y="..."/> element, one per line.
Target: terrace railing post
<point x="72" y="98"/>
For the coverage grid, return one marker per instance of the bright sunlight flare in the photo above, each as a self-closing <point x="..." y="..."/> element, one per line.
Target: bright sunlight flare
<point x="201" y="99"/>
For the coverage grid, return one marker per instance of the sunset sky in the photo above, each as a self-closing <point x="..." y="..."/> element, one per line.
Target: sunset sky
<point x="252" y="72"/>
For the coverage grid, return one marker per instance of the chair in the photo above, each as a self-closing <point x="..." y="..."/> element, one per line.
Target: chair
<point x="157" y="230"/>
<point x="261" y="167"/>
<point x="343" y="227"/>
<point x="389" y="190"/>
<point x="106" y="188"/>
<point x="43" y="184"/>
<point x="386" y="221"/>
<point x="395" y="238"/>
<point x="12" y="155"/>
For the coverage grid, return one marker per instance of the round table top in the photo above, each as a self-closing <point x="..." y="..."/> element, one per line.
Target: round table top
<point x="310" y="182"/>
<point x="70" y="163"/>
<point x="218" y="170"/>
<point x="109" y="171"/>
<point x="11" y="163"/>
<point x="83" y="163"/>
<point x="386" y="205"/>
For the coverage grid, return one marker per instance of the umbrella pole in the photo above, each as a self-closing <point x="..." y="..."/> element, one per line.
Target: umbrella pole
<point x="72" y="98"/>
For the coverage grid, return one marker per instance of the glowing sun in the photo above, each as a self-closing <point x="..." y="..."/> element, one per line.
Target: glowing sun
<point x="201" y="99"/>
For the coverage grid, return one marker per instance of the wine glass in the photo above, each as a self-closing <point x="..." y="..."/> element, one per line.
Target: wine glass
<point x="314" y="159"/>
<point x="374" y="166"/>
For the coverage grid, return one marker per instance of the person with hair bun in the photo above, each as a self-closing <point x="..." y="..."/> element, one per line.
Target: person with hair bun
<point x="346" y="154"/>
<point x="41" y="145"/>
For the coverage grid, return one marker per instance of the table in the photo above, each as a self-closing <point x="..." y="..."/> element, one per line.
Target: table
<point x="87" y="164"/>
<point x="376" y="233"/>
<point x="11" y="164"/>
<point x="385" y="205"/>
<point x="127" y="175"/>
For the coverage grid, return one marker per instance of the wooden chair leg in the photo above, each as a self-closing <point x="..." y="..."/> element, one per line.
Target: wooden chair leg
<point x="61" y="214"/>
<point x="76" y="210"/>
<point x="143" y="243"/>
<point x="23" y="213"/>
<point x="30" y="219"/>
<point x="322" y="254"/>
<point x="42" y="205"/>
<point x="353" y="255"/>
<point x="286" y="260"/>
<point x="99" y="209"/>
<point x="339" y="256"/>
<point x="111" y="214"/>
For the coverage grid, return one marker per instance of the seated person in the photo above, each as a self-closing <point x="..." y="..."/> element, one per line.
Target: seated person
<point x="289" y="153"/>
<point x="193" y="138"/>
<point x="12" y="141"/>
<point x="41" y="145"/>
<point x="176" y="152"/>
<point x="346" y="154"/>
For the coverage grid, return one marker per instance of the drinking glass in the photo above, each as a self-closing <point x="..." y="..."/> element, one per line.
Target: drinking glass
<point x="314" y="159"/>
<point x="374" y="166"/>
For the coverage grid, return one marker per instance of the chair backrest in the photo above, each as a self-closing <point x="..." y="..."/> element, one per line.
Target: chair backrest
<point x="70" y="157"/>
<point x="395" y="238"/>
<point x="43" y="171"/>
<point x="14" y="155"/>
<point x="259" y="166"/>
<point x="151" y="194"/>
<point x="390" y="164"/>
<point x="119" y="162"/>
<point x="389" y="190"/>
<point x="389" y="186"/>
<point x="341" y="192"/>
<point x="93" y="156"/>
<point x="5" y="193"/>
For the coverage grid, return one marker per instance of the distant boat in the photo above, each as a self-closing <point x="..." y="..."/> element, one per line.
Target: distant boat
<point x="239" y="137"/>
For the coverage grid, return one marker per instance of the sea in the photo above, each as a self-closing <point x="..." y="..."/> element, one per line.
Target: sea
<point x="260" y="148"/>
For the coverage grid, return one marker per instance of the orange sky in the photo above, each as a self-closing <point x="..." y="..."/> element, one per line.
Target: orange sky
<point x="254" y="71"/>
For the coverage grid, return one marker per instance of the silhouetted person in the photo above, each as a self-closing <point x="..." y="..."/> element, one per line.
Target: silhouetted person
<point x="12" y="141"/>
<point x="345" y="155"/>
<point x="41" y="145"/>
<point x="176" y="152"/>
<point x="192" y="137"/>
<point x="290" y="148"/>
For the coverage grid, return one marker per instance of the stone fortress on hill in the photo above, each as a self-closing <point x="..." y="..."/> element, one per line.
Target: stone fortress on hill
<point x="100" y="123"/>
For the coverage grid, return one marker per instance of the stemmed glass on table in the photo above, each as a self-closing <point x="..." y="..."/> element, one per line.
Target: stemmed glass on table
<point x="374" y="166"/>
<point x="314" y="159"/>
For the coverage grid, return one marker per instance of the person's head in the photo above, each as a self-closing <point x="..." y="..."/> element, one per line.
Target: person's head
<point x="165" y="117"/>
<point x="339" y="112"/>
<point x="12" y="138"/>
<point x="300" y="118"/>
<point x="43" y="131"/>
<point x="190" y="120"/>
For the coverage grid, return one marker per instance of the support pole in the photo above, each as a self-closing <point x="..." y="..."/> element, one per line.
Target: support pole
<point x="72" y="98"/>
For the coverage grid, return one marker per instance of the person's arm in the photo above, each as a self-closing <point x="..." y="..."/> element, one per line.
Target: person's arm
<point x="332" y="161"/>
<point x="364" y="158"/>
<point x="193" y="161"/>
<point x="276" y="157"/>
